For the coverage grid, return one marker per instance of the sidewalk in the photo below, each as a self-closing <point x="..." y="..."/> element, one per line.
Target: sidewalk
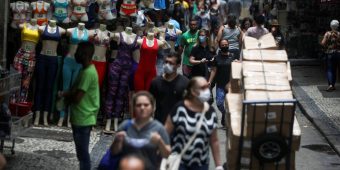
<point x="322" y="108"/>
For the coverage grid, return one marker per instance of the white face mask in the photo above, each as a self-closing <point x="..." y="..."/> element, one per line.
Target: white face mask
<point x="168" y="69"/>
<point x="204" y="95"/>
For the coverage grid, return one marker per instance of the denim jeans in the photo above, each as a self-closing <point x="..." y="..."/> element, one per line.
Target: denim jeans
<point x="332" y="64"/>
<point x="220" y="97"/>
<point x="81" y="136"/>
<point x="194" y="167"/>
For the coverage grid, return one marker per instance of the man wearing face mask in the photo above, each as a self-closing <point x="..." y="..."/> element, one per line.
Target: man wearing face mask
<point x="168" y="89"/>
<point x="220" y="71"/>
<point x="188" y="40"/>
<point x="200" y="56"/>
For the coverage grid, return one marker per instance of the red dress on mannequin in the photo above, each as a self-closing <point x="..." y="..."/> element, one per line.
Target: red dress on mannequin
<point x="146" y="69"/>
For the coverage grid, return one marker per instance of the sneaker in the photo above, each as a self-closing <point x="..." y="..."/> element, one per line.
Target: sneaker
<point x="330" y="89"/>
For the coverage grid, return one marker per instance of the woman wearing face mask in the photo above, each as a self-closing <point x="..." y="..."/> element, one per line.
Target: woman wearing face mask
<point x="200" y="56"/>
<point x="181" y="124"/>
<point x="142" y="135"/>
<point x="220" y="72"/>
<point x="233" y="34"/>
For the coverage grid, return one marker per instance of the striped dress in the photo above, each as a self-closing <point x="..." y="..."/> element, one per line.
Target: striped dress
<point x="184" y="121"/>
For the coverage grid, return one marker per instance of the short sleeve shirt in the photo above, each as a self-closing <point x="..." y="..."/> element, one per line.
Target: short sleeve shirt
<point x="223" y="67"/>
<point x="167" y="94"/>
<point x="184" y="121"/>
<point x="138" y="141"/>
<point x="85" y="112"/>
<point x="187" y="42"/>
<point x="199" y="53"/>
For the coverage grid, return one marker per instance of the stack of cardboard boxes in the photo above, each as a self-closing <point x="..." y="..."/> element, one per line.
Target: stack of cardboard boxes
<point x="263" y="75"/>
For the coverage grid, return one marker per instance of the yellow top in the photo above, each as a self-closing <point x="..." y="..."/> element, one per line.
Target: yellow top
<point x="29" y="35"/>
<point x="184" y="4"/>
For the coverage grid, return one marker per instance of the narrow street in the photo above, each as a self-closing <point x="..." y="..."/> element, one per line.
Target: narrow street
<point x="53" y="147"/>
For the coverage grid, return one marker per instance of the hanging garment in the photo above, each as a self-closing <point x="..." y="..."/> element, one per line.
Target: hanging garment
<point x="118" y="79"/>
<point x="146" y="69"/>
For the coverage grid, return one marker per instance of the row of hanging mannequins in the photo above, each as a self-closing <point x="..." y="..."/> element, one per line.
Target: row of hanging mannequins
<point x="66" y="11"/>
<point x="132" y="49"/>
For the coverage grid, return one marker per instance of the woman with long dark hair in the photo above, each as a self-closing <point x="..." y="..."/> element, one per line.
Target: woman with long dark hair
<point x="200" y="55"/>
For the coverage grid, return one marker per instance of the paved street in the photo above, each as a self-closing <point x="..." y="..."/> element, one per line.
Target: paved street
<point x="52" y="148"/>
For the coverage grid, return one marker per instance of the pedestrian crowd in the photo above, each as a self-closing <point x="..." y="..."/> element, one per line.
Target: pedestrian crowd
<point x="176" y="110"/>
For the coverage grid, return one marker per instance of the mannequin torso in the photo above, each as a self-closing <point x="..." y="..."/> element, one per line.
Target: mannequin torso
<point x="128" y="8"/>
<point x="61" y="10"/>
<point x="101" y="39"/>
<point x="79" y="10"/>
<point x="105" y="10"/>
<point x="77" y="34"/>
<point x="20" y="11"/>
<point x="128" y="38"/>
<point x="40" y="10"/>
<point x="29" y="44"/>
<point x="150" y="41"/>
<point x="171" y="34"/>
<point x="51" y="35"/>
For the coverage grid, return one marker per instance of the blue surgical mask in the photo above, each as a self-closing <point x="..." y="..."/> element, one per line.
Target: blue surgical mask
<point x="202" y="38"/>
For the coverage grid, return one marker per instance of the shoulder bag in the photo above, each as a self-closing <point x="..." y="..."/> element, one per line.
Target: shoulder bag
<point x="174" y="159"/>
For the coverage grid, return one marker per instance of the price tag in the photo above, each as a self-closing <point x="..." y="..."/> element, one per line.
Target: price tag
<point x="78" y="8"/>
<point x="28" y="48"/>
<point x="60" y="11"/>
<point x="49" y="52"/>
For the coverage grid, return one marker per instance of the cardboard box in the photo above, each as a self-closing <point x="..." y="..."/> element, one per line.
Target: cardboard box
<point x="236" y="76"/>
<point x="274" y="112"/>
<point x="276" y="69"/>
<point x="236" y="70"/>
<point x="265" y="42"/>
<point x="270" y="83"/>
<point x="267" y="67"/>
<point x="265" y="55"/>
<point x="289" y="72"/>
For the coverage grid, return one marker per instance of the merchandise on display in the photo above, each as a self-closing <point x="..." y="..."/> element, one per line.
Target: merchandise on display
<point x="105" y="10"/>
<point x="119" y="75"/>
<point x="61" y="11"/>
<point x="40" y="11"/>
<point x="71" y="68"/>
<point x="20" y="12"/>
<point x="46" y="70"/>
<point x="79" y="10"/>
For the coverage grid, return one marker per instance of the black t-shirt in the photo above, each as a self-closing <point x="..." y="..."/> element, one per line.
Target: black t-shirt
<point x="167" y="94"/>
<point x="199" y="52"/>
<point x="223" y="68"/>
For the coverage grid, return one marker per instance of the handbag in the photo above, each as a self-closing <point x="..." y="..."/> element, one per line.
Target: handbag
<point x="174" y="159"/>
<point x="109" y="161"/>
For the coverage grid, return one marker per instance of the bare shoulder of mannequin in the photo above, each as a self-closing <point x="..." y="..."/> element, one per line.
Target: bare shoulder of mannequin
<point x="42" y="28"/>
<point x="69" y="31"/>
<point x="61" y="30"/>
<point x="115" y="36"/>
<point x="140" y="41"/>
<point x="91" y="33"/>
